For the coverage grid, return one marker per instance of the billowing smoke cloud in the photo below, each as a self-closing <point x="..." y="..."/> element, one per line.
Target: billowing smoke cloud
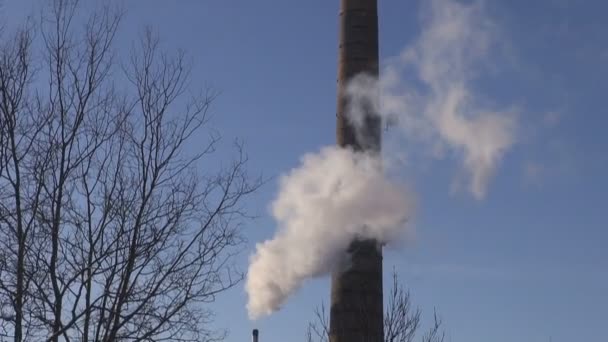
<point x="337" y="195"/>
<point x="333" y="197"/>
<point x="426" y="92"/>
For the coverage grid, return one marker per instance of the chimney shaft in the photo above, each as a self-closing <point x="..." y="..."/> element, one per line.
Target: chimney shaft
<point x="356" y="313"/>
<point x="254" y="335"/>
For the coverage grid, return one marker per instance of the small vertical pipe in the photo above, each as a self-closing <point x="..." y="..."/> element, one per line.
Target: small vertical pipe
<point x="255" y="335"/>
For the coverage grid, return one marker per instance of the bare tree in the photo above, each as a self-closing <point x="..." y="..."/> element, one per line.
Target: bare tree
<point x="318" y="330"/>
<point x="19" y="196"/>
<point x="401" y="320"/>
<point x="109" y="230"/>
<point x="435" y="333"/>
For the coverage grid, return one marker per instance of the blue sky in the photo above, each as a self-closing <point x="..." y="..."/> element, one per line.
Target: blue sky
<point x="525" y="263"/>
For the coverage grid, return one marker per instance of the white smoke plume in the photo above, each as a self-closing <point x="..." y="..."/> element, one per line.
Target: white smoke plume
<point x="332" y="198"/>
<point x="337" y="195"/>
<point x="427" y="92"/>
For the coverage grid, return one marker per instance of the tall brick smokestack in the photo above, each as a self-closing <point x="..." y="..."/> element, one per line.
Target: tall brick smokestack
<point x="356" y="313"/>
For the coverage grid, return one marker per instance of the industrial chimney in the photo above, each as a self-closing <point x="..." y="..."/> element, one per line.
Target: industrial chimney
<point x="254" y="335"/>
<point x="356" y="313"/>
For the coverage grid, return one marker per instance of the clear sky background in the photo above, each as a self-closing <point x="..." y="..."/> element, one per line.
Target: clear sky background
<point x="528" y="262"/>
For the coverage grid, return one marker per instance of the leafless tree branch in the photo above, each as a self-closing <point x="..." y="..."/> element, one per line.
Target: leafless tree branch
<point x="108" y="229"/>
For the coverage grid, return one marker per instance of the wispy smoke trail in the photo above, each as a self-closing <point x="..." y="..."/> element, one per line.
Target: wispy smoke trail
<point x="337" y="195"/>
<point x="334" y="197"/>
<point x="436" y="105"/>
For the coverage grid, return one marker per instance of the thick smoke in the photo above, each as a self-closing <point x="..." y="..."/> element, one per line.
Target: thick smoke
<point x="337" y="195"/>
<point x="333" y="197"/>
